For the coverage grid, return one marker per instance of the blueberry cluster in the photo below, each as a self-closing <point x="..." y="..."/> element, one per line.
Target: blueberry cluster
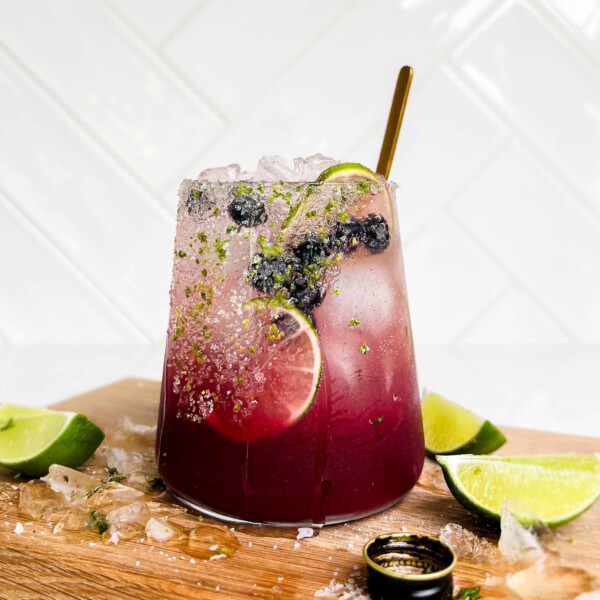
<point x="298" y="271"/>
<point x="248" y="210"/>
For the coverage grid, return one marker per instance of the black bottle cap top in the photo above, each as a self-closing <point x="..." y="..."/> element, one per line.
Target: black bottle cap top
<point x="409" y="565"/>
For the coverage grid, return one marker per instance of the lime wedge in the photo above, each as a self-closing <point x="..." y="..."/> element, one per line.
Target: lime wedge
<point x="31" y="439"/>
<point x="554" y="487"/>
<point x="347" y="172"/>
<point x="284" y="373"/>
<point x="452" y="429"/>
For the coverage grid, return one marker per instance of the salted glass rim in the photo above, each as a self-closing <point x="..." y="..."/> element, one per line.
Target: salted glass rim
<point x="391" y="185"/>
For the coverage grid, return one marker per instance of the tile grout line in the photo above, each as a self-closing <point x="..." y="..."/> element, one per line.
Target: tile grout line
<point x="164" y="65"/>
<point x="111" y="304"/>
<point x="565" y="33"/>
<point x="251" y="106"/>
<point x="182" y="23"/>
<point x="475" y="318"/>
<point x="439" y="63"/>
<point x="554" y="171"/>
<point x="470" y="177"/>
<point x="516" y="281"/>
<point x="83" y="132"/>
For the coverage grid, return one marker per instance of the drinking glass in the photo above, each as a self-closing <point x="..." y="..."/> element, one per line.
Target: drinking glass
<point x="290" y="391"/>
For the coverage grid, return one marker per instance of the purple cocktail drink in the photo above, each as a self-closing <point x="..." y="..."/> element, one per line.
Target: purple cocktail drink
<point x="290" y="393"/>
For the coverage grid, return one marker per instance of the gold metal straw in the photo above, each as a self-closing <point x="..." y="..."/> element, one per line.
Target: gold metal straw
<point x="388" y="148"/>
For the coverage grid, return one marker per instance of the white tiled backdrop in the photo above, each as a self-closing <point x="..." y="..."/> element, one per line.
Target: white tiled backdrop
<point x="105" y="105"/>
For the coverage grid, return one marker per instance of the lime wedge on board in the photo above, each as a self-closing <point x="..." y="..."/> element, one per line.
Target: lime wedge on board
<point x="31" y="439"/>
<point x="452" y="429"/>
<point x="556" y="488"/>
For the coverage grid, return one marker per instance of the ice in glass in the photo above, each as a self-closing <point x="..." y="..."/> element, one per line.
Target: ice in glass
<point x="290" y="393"/>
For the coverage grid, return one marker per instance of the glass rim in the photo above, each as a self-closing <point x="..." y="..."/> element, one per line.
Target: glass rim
<point x="279" y="182"/>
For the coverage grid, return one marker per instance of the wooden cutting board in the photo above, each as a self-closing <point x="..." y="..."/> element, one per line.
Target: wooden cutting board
<point x="270" y="563"/>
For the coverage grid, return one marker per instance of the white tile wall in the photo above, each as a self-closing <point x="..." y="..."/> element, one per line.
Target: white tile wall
<point x="106" y="105"/>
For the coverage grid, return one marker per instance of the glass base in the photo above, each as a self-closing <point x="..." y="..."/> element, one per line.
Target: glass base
<point x="209" y="512"/>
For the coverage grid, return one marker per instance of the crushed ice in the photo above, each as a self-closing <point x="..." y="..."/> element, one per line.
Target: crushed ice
<point x="522" y="542"/>
<point x="123" y="461"/>
<point x="126" y="427"/>
<point x="305" y="532"/>
<point x="467" y="545"/>
<point x="541" y="581"/>
<point x="159" y="530"/>
<point x="272" y="168"/>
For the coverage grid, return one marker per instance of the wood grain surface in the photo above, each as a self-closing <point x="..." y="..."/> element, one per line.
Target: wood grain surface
<point x="270" y="562"/>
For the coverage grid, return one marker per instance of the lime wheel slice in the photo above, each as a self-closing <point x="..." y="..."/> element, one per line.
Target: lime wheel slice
<point x="32" y="439"/>
<point x="280" y="378"/>
<point x="347" y="172"/>
<point x="452" y="429"/>
<point x="554" y="487"/>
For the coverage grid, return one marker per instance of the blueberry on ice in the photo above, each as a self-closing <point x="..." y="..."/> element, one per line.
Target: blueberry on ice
<point x="308" y="297"/>
<point x="310" y="248"/>
<point x="268" y="273"/>
<point x="377" y="232"/>
<point x="347" y="236"/>
<point x="248" y="210"/>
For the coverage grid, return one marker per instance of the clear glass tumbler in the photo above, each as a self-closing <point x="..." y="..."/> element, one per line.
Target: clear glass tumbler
<point x="290" y="392"/>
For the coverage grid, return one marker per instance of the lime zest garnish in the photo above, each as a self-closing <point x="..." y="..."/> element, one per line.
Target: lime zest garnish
<point x="264" y="302"/>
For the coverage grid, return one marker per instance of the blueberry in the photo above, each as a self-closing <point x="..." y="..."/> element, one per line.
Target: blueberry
<point x="310" y="249"/>
<point x="268" y="273"/>
<point x="308" y="297"/>
<point x="194" y="200"/>
<point x="347" y="236"/>
<point x="377" y="232"/>
<point x="248" y="210"/>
